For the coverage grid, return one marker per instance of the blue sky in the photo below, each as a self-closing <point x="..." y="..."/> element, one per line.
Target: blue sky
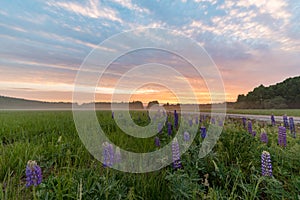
<point x="43" y="43"/>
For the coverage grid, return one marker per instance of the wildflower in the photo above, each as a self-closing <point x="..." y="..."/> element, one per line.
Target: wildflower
<point x="282" y="136"/>
<point x="108" y="154"/>
<point x="117" y="155"/>
<point x="221" y="123"/>
<point x="159" y="127"/>
<point x="203" y="132"/>
<point x="292" y="127"/>
<point x="253" y="133"/>
<point x="157" y="141"/>
<point x="197" y="120"/>
<point x="264" y="137"/>
<point x="244" y="122"/>
<point x="250" y="127"/>
<point x="213" y="121"/>
<point x="190" y="122"/>
<point x="169" y="128"/>
<point x="273" y="120"/>
<point x="33" y="174"/>
<point x="186" y="136"/>
<point x="176" y="154"/>
<point x="285" y="121"/>
<point x="266" y="165"/>
<point x="175" y="119"/>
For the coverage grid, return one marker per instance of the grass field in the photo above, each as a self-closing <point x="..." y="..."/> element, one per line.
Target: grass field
<point x="233" y="167"/>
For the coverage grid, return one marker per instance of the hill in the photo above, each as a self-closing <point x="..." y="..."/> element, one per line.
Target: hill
<point x="285" y="94"/>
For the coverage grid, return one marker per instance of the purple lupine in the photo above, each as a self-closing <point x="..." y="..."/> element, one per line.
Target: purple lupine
<point x="203" y="131"/>
<point x="221" y="123"/>
<point x="159" y="128"/>
<point x="108" y="154"/>
<point x="292" y="127"/>
<point x="169" y="128"/>
<point x="197" y="120"/>
<point x="250" y="127"/>
<point x="175" y="119"/>
<point x="213" y="121"/>
<point x="266" y="164"/>
<point x="264" y="137"/>
<point x="176" y="154"/>
<point x="285" y="121"/>
<point x="282" y="136"/>
<point x="244" y="121"/>
<point x="186" y="136"/>
<point x="253" y="133"/>
<point x="117" y="155"/>
<point x="273" y="120"/>
<point x="157" y="141"/>
<point x="190" y="122"/>
<point x="33" y="174"/>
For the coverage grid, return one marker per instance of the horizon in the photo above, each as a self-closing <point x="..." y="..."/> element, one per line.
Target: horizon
<point x="44" y="44"/>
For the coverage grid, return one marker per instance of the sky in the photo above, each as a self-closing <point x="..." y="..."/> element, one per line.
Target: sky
<point x="44" y="44"/>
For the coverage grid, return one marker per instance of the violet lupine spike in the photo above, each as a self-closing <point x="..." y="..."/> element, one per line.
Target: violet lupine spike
<point x="175" y="119"/>
<point x="266" y="164"/>
<point x="108" y="154"/>
<point x="33" y="174"/>
<point x="273" y="120"/>
<point x="213" y="121"/>
<point x="285" y="121"/>
<point x="197" y="120"/>
<point x="264" y="137"/>
<point x="244" y="122"/>
<point x="221" y="123"/>
<point x="117" y="156"/>
<point x="292" y="127"/>
<point x="169" y="128"/>
<point x="190" y="122"/>
<point x="186" y="136"/>
<point x="282" y="136"/>
<point x="203" y="131"/>
<point x="157" y="141"/>
<point x="250" y="127"/>
<point x="159" y="128"/>
<point x="253" y="133"/>
<point x="176" y="154"/>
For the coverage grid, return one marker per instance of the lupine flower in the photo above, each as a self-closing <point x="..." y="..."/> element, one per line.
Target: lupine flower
<point x="159" y="127"/>
<point x="244" y="122"/>
<point x="33" y="174"/>
<point x="176" y="154"/>
<point x="169" y="128"/>
<point x="266" y="164"/>
<point x="264" y="137"/>
<point x="282" y="136"/>
<point x="273" y="120"/>
<point x="213" y="121"/>
<point x="175" y="119"/>
<point x="157" y="141"/>
<point x="285" y="121"/>
<point x="190" y="122"/>
<point x="203" y="132"/>
<point x="117" y="155"/>
<point x="108" y="154"/>
<point x="220" y="123"/>
<point x="253" y="133"/>
<point x="292" y="127"/>
<point x="250" y="127"/>
<point x="197" y="120"/>
<point x="186" y="136"/>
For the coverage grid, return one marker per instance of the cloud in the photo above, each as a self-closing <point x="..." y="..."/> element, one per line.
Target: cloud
<point x="92" y="9"/>
<point x="129" y="5"/>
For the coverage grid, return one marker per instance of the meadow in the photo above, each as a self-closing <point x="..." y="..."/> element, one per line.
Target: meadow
<point x="232" y="170"/>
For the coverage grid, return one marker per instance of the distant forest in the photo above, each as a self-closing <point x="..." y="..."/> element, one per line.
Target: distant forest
<point x="285" y="94"/>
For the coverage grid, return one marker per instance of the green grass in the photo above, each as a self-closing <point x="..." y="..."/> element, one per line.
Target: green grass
<point x="71" y="172"/>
